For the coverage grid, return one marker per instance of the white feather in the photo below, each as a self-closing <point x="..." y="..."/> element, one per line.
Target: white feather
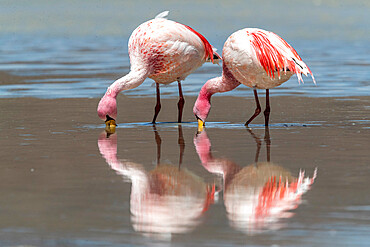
<point x="164" y="14"/>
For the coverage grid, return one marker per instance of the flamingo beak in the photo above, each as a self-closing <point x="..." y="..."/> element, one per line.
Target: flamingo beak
<point x="110" y="125"/>
<point x="200" y="125"/>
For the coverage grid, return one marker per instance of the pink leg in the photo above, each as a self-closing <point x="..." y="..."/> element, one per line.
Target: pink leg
<point x="158" y="105"/>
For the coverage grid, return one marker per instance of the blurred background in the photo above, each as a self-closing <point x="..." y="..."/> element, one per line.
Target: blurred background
<point x="313" y="19"/>
<point x="58" y="49"/>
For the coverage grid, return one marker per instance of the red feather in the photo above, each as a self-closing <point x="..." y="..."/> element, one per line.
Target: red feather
<point x="207" y="45"/>
<point x="270" y="57"/>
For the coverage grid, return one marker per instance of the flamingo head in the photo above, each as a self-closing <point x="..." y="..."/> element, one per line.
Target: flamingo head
<point x="107" y="109"/>
<point x="202" y="107"/>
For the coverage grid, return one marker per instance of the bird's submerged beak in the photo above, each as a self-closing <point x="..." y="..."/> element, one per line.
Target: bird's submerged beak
<point x="110" y="125"/>
<point x="200" y="125"/>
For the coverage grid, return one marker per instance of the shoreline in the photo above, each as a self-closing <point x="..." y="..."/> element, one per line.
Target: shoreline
<point x="284" y="109"/>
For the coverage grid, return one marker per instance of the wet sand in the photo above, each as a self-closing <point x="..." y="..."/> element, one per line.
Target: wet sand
<point x="57" y="189"/>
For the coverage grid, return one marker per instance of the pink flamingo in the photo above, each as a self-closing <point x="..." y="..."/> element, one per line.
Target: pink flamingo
<point x="163" y="50"/>
<point x="257" y="196"/>
<point x="256" y="58"/>
<point x="166" y="200"/>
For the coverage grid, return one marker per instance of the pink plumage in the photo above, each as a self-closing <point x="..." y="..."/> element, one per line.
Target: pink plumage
<point x="257" y="196"/>
<point x="208" y="47"/>
<point x="256" y="58"/>
<point x="163" y="50"/>
<point x="275" y="54"/>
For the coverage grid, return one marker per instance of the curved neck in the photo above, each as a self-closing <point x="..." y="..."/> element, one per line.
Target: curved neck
<point x="228" y="77"/>
<point x="209" y="89"/>
<point x="135" y="172"/>
<point x="133" y="79"/>
<point x="222" y="166"/>
<point x="224" y="83"/>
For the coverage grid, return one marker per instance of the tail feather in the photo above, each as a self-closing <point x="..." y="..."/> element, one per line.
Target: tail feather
<point x="163" y="14"/>
<point x="216" y="57"/>
<point x="207" y="46"/>
<point x="276" y="55"/>
<point x="211" y="53"/>
<point x="302" y="69"/>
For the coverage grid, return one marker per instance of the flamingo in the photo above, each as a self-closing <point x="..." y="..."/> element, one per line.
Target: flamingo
<point x="257" y="196"/>
<point x="256" y="58"/>
<point x="166" y="200"/>
<point x="163" y="50"/>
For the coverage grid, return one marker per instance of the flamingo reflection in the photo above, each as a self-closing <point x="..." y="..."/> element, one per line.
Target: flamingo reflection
<point x="257" y="197"/>
<point x="166" y="200"/>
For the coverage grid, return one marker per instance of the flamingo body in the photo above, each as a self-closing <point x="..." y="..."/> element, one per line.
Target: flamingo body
<point x="163" y="50"/>
<point x="260" y="59"/>
<point x="257" y="196"/>
<point x="256" y="58"/>
<point x="167" y="50"/>
<point x="164" y="201"/>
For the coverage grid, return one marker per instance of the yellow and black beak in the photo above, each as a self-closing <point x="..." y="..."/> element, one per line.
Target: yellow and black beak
<point x="200" y="125"/>
<point x="110" y="125"/>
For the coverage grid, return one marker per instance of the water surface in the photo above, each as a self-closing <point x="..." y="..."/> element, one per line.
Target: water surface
<point x="52" y="50"/>
<point x="64" y="182"/>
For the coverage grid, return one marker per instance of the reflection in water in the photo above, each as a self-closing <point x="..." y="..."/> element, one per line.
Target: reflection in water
<point x="257" y="196"/>
<point x="165" y="200"/>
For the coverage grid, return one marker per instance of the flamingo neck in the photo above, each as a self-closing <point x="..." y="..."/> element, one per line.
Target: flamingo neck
<point x="208" y="89"/>
<point x="228" y="79"/>
<point x="221" y="84"/>
<point x="132" y="80"/>
<point x="203" y="147"/>
<point x="230" y="170"/>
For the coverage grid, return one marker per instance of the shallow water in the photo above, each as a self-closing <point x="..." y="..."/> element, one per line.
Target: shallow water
<point x="65" y="182"/>
<point x="68" y="68"/>
<point x="51" y="58"/>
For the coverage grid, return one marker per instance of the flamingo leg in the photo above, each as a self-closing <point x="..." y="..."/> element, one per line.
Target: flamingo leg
<point x="158" y="105"/>
<point x="268" y="143"/>
<point x="180" y="104"/>
<point x="259" y="143"/>
<point x="258" y="109"/>
<point x="158" y="141"/>
<point x="181" y="143"/>
<point x="267" y="109"/>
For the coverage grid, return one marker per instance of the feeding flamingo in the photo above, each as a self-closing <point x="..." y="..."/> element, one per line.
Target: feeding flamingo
<point x="256" y="197"/>
<point x="256" y="58"/>
<point x="167" y="199"/>
<point x="163" y="50"/>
